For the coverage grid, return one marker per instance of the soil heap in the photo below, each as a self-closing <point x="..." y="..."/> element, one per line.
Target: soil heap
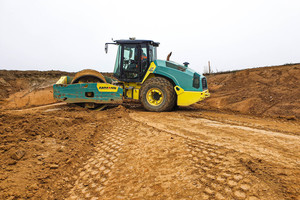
<point x="267" y="91"/>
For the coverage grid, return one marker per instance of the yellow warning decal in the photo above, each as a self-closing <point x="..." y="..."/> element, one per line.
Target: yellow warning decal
<point x="106" y="87"/>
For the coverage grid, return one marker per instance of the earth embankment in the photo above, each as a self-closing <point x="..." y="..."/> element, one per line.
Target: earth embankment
<point x="266" y="91"/>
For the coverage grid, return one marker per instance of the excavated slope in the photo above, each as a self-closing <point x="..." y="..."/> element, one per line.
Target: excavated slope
<point x="267" y="91"/>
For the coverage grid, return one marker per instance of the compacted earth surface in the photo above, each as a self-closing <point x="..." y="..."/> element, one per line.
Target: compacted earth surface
<point x="238" y="144"/>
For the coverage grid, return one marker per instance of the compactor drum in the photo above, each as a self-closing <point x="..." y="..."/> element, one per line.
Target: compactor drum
<point x="159" y="85"/>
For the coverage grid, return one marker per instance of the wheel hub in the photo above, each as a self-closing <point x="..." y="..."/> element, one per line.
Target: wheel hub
<point x="154" y="97"/>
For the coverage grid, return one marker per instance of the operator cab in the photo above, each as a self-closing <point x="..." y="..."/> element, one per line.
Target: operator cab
<point x="133" y="59"/>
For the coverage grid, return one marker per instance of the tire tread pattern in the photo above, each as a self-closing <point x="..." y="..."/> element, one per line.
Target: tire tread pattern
<point x="169" y="93"/>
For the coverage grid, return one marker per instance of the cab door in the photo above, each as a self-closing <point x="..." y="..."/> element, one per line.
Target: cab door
<point x="132" y="62"/>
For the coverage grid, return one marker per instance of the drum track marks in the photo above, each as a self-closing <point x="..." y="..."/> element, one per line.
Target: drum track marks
<point x="140" y="160"/>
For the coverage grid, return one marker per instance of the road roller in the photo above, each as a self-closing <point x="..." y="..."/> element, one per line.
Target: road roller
<point x="159" y="85"/>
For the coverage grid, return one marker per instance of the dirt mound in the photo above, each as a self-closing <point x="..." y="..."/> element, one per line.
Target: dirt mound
<point x="28" y="98"/>
<point x="268" y="91"/>
<point x="20" y="89"/>
<point x="15" y="81"/>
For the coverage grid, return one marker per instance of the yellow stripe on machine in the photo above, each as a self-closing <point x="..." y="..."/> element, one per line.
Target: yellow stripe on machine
<point x="186" y="98"/>
<point x="150" y="71"/>
<point x="62" y="80"/>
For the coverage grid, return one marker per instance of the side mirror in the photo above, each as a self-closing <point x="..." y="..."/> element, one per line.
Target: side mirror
<point x="106" y="48"/>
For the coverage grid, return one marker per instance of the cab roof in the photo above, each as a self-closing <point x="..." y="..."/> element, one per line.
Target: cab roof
<point x="151" y="42"/>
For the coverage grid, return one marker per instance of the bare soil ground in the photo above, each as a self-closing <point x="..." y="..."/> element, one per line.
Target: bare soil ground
<point x="212" y="150"/>
<point x="266" y="91"/>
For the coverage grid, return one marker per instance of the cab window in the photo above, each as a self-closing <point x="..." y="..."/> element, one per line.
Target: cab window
<point x="130" y="62"/>
<point x="144" y="60"/>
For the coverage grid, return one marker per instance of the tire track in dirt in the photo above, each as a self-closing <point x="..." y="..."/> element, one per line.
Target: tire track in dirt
<point x="140" y="158"/>
<point x="146" y="164"/>
<point x="269" y="145"/>
<point x="269" y="124"/>
<point x="221" y="172"/>
<point x="154" y="165"/>
<point x="220" y="175"/>
<point x="93" y="176"/>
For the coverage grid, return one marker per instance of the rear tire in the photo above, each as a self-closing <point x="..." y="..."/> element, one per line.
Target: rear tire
<point x="158" y="95"/>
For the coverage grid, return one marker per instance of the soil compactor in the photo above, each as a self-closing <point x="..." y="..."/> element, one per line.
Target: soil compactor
<point x="159" y="85"/>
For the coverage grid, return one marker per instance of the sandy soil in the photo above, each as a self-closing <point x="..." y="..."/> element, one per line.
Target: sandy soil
<point x="59" y="151"/>
<point x="267" y="91"/>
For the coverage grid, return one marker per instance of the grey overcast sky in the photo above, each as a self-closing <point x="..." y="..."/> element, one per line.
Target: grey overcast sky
<point x="69" y="35"/>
